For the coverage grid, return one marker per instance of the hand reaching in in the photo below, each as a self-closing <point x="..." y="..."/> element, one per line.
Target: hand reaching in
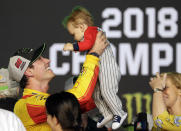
<point x="100" y="43"/>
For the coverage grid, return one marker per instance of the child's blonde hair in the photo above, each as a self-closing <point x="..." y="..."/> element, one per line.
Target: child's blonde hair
<point x="175" y="78"/>
<point x="79" y="15"/>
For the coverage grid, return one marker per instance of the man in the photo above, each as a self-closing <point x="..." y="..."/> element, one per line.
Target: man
<point x="28" y="67"/>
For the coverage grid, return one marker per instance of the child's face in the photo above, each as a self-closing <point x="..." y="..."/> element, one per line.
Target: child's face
<point x="77" y="32"/>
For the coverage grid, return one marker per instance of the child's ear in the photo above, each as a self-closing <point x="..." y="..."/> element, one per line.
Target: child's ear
<point x="82" y="27"/>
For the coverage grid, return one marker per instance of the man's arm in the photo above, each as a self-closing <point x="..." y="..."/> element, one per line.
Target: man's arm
<point x="84" y="86"/>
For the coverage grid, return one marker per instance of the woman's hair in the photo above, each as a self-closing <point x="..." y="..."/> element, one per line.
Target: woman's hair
<point x="79" y="15"/>
<point x="175" y="78"/>
<point x="65" y="107"/>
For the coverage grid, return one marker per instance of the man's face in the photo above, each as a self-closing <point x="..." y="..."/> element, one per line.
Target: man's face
<point x="41" y="69"/>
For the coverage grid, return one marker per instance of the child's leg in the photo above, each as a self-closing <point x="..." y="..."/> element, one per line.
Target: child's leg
<point x="109" y="76"/>
<point x="102" y="107"/>
<point x="109" y="94"/>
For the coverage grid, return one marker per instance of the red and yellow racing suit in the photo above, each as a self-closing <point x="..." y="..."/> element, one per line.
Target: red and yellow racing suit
<point x="31" y="107"/>
<point x="31" y="110"/>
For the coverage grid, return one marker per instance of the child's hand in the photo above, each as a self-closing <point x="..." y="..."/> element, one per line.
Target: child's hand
<point x="68" y="47"/>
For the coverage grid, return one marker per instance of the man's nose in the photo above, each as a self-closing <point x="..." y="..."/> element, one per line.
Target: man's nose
<point x="46" y="60"/>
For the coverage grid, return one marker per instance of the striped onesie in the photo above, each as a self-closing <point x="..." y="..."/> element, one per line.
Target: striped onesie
<point x="105" y="93"/>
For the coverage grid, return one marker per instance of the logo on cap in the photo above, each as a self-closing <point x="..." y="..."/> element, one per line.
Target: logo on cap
<point x="20" y="64"/>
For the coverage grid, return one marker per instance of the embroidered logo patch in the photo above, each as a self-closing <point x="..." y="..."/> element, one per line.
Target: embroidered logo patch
<point x="177" y="120"/>
<point x="159" y="123"/>
<point x="20" y="64"/>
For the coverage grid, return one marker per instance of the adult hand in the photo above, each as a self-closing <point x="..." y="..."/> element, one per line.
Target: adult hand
<point x="158" y="82"/>
<point x="100" y="43"/>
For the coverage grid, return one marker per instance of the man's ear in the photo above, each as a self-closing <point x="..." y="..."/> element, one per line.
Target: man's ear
<point x="28" y="72"/>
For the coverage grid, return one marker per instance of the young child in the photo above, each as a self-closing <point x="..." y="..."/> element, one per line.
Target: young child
<point x="80" y="24"/>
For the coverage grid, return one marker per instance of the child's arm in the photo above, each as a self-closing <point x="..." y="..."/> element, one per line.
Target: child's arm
<point x="88" y="42"/>
<point x="85" y="45"/>
<point x="68" y="47"/>
<point x="78" y="46"/>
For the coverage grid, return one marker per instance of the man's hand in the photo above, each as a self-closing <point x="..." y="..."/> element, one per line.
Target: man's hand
<point x="158" y="82"/>
<point x="68" y="47"/>
<point x="100" y="43"/>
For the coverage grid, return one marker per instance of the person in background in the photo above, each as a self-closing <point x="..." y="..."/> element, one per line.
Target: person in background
<point x="63" y="112"/>
<point x="143" y="122"/>
<point x="88" y="118"/>
<point x="9" y="91"/>
<point x="8" y="96"/>
<point x="10" y="122"/>
<point x="166" y="107"/>
<point x="80" y="25"/>
<point x="32" y="70"/>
